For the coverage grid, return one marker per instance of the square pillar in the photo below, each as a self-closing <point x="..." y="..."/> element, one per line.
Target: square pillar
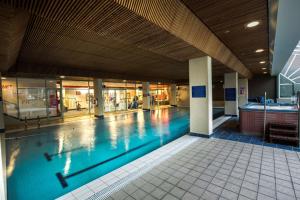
<point x="243" y="91"/>
<point x="146" y="95"/>
<point x="231" y="93"/>
<point x="98" y="90"/>
<point x="173" y="94"/>
<point x="200" y="78"/>
<point x="2" y="126"/>
<point x="3" y="187"/>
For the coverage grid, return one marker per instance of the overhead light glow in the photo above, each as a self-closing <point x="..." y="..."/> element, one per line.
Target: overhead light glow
<point x="262" y="62"/>
<point x="3" y="78"/>
<point x="259" y="50"/>
<point x="265" y="72"/>
<point x="62" y="77"/>
<point x="263" y="68"/>
<point x="252" y="24"/>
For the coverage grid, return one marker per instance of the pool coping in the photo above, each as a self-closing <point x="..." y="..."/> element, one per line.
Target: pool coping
<point x="103" y="186"/>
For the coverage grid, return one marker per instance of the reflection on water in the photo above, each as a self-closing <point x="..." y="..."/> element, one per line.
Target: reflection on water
<point x="12" y="162"/>
<point x="141" y="124"/>
<point x="76" y="147"/>
<point x="68" y="163"/>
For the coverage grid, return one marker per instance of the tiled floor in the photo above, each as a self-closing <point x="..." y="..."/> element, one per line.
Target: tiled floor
<point x="219" y="169"/>
<point x="230" y="131"/>
<point x="227" y="166"/>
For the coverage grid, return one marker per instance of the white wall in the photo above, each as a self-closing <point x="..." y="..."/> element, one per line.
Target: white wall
<point x="172" y="94"/>
<point x="99" y="109"/>
<point x="200" y="74"/>
<point x="3" y="188"/>
<point x="231" y="81"/>
<point x="243" y="92"/>
<point x="183" y="96"/>
<point x="146" y="95"/>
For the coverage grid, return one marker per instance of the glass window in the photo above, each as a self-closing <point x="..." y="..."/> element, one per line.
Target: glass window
<point x="32" y="98"/>
<point x="9" y="94"/>
<point x="287" y="88"/>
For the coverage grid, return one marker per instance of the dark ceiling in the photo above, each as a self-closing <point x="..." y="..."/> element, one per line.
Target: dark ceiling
<point x="227" y="19"/>
<point x="60" y="39"/>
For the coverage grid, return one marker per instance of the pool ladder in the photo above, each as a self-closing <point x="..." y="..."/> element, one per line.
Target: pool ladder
<point x="38" y="123"/>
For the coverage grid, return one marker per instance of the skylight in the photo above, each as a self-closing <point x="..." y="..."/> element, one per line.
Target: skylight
<point x="291" y="69"/>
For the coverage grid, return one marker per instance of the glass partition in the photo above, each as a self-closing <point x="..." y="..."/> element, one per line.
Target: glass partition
<point x="32" y="98"/>
<point x="9" y="95"/>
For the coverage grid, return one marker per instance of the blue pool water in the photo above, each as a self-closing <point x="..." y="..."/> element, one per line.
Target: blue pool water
<point x="83" y="151"/>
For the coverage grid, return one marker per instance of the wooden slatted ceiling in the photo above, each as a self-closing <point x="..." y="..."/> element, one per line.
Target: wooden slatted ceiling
<point x="104" y="35"/>
<point x="176" y="18"/>
<point x="232" y="15"/>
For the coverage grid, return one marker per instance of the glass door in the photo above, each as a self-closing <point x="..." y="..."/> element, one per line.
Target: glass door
<point x="109" y="96"/>
<point x="121" y="100"/>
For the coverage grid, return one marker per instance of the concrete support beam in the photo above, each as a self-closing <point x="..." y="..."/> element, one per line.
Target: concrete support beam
<point x="243" y="91"/>
<point x="231" y="93"/>
<point x="173" y="94"/>
<point x="146" y="96"/>
<point x="200" y="78"/>
<point x="98" y="90"/>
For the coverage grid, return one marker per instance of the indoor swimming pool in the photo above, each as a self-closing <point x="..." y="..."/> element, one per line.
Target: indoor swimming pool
<point x="49" y="162"/>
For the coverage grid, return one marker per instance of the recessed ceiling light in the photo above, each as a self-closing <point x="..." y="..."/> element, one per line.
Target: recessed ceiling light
<point x="227" y="31"/>
<point x="262" y="62"/>
<point x="62" y="77"/>
<point x="259" y="50"/>
<point x="265" y="72"/>
<point x="3" y="78"/>
<point x="252" y="24"/>
<point x="263" y="68"/>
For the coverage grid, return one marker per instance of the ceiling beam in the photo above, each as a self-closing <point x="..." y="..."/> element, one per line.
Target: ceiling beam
<point x="174" y="17"/>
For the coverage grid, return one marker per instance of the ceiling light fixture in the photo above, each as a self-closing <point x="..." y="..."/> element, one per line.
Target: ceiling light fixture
<point x="262" y="62"/>
<point x="3" y="78"/>
<point x="263" y="68"/>
<point x="259" y="50"/>
<point x="252" y="24"/>
<point x="265" y="72"/>
<point x="62" y="77"/>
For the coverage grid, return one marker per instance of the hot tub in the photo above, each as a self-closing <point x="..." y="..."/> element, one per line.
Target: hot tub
<point x="252" y="116"/>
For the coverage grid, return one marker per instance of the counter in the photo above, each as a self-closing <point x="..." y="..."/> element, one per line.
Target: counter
<point x="252" y="117"/>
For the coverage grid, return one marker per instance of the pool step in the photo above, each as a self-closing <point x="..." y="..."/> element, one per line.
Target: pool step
<point x="283" y="133"/>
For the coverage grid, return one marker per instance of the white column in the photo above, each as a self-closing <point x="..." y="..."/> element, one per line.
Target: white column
<point x="98" y="90"/>
<point x="2" y="126"/>
<point x="231" y="93"/>
<point x="200" y="78"/>
<point x="2" y="150"/>
<point x="243" y="91"/>
<point x="146" y="96"/>
<point x="172" y="96"/>
<point x="3" y="194"/>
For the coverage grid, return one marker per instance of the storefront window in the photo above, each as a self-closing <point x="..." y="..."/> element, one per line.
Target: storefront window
<point x="76" y="97"/>
<point x="9" y="95"/>
<point x="159" y="95"/>
<point x="134" y="96"/>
